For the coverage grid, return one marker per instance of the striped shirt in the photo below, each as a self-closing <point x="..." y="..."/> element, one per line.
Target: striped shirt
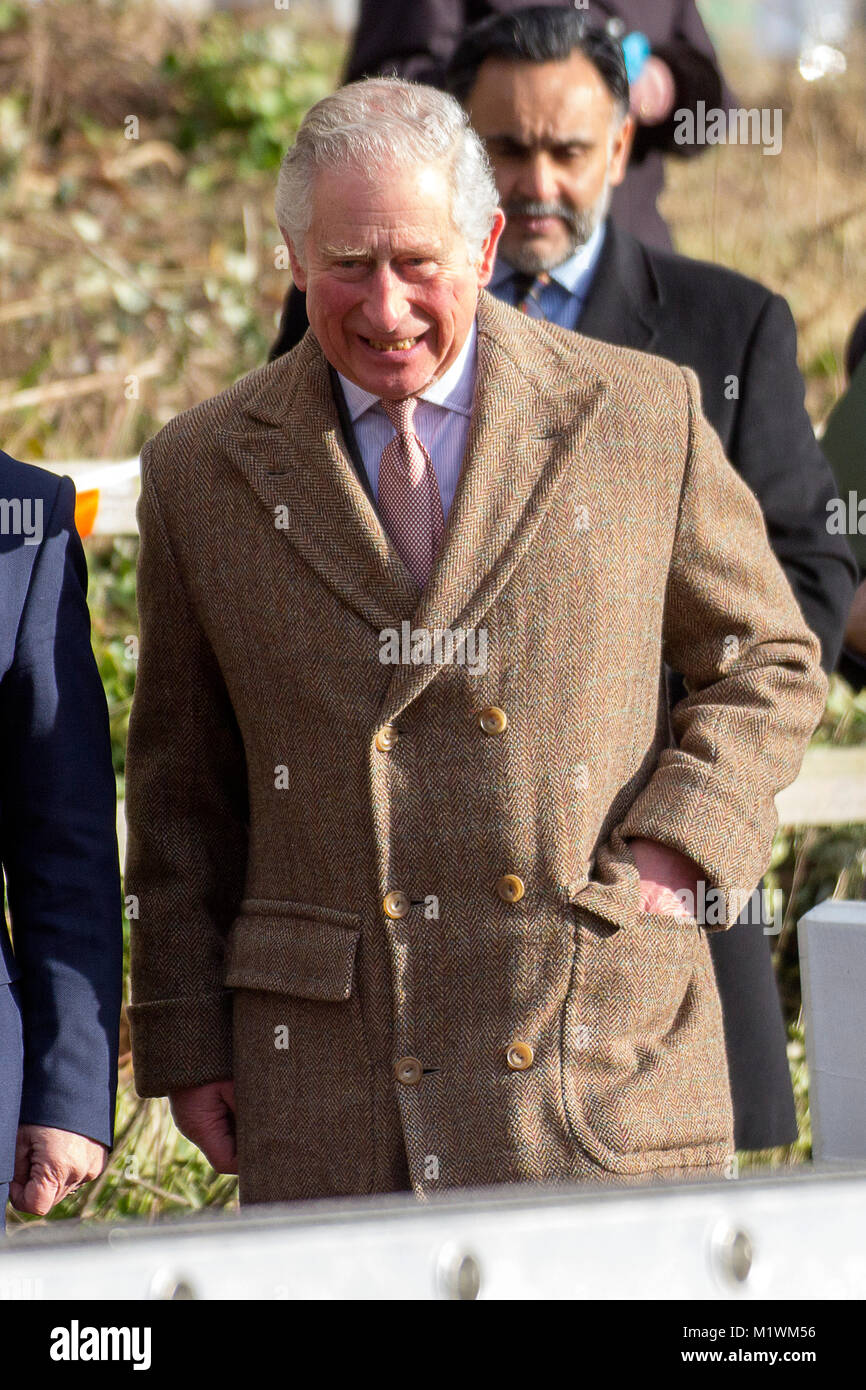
<point x="441" y="421"/>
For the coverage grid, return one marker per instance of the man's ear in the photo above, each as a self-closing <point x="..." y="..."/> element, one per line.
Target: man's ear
<point x="621" y="151"/>
<point x="299" y="275"/>
<point x="488" y="255"/>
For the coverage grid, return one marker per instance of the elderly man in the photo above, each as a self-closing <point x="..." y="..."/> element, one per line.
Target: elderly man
<point x="417" y="862"/>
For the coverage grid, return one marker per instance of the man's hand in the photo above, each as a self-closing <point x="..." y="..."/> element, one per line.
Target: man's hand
<point x="652" y="95"/>
<point x="51" y="1163"/>
<point x="663" y="873"/>
<point x="206" y="1115"/>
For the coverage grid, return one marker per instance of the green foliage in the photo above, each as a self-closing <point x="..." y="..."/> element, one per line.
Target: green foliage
<point x="114" y="631"/>
<point x="244" y="92"/>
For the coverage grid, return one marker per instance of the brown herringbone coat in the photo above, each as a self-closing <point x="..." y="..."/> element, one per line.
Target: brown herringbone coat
<point x="597" y="530"/>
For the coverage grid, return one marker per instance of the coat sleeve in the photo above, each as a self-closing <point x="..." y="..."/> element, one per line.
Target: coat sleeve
<point x="780" y="458"/>
<point x="58" y="798"/>
<point x="755" y="688"/>
<point x="187" y="827"/>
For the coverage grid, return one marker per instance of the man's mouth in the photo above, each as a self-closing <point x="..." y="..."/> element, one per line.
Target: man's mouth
<point x="393" y="344"/>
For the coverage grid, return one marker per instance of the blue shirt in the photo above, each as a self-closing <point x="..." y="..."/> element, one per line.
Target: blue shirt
<point x="561" y="301"/>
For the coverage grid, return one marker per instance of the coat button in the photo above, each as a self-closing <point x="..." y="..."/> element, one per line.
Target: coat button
<point x="408" y="1071"/>
<point x="519" y="1056"/>
<point x="386" y="737"/>
<point x="396" y="904"/>
<point x="510" y="888"/>
<point x="493" y="720"/>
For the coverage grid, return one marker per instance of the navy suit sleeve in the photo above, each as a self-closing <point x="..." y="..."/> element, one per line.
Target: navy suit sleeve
<point x="59" y="844"/>
<point x="779" y="457"/>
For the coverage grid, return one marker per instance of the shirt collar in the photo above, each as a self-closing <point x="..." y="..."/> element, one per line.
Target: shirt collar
<point x="454" y="389"/>
<point x="573" y="275"/>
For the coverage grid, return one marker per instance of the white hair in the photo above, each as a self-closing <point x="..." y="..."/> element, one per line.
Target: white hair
<point x="387" y="120"/>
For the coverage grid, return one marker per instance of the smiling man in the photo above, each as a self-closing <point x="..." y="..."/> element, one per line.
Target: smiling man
<point x="415" y="925"/>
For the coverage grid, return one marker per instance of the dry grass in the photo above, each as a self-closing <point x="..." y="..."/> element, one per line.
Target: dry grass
<point x="797" y="220"/>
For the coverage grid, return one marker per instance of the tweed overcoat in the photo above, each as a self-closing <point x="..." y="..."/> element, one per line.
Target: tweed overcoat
<point x="409" y="928"/>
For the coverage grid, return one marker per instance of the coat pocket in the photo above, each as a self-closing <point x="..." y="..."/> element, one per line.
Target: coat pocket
<point x="303" y="1081"/>
<point x="644" y="1071"/>
<point x="293" y="948"/>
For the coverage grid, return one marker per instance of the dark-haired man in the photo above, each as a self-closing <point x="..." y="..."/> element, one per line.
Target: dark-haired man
<point x="557" y="129"/>
<point x="674" y="68"/>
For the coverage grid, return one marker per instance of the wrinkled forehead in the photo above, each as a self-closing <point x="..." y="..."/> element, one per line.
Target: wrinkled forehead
<point x="389" y="210"/>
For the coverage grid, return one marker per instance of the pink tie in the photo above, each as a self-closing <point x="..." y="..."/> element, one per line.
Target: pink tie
<point x="408" y="493"/>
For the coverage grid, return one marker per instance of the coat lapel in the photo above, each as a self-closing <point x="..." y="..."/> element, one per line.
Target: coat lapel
<point x="287" y="443"/>
<point x="622" y="304"/>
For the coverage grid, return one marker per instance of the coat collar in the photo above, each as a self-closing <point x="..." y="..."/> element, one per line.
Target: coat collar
<point x="532" y="386"/>
<point x="625" y="296"/>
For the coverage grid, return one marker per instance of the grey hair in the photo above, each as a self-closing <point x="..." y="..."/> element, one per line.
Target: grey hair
<point x="381" y="119"/>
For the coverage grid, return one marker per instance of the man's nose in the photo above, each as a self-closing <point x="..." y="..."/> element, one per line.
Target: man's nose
<point x="538" y="179"/>
<point x="385" y="303"/>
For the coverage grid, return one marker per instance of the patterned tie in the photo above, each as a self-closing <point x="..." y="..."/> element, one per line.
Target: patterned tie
<point x="408" y="493"/>
<point x="528" y="291"/>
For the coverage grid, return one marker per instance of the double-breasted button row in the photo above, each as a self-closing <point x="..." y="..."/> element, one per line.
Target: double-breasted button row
<point x="519" y="1057"/>
<point x="509" y="887"/>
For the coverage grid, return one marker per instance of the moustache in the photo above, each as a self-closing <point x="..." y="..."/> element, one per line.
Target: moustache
<point x="518" y="208"/>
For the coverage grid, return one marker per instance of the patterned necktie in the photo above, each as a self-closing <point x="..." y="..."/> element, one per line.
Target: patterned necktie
<point x="528" y="293"/>
<point x="408" y="493"/>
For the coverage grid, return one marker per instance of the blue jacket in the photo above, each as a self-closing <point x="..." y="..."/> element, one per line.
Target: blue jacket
<point x="60" y="988"/>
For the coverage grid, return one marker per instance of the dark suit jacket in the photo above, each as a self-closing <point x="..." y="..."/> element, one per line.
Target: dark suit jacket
<point x="741" y="341"/>
<point x="60" y="988"/>
<point x="417" y="41"/>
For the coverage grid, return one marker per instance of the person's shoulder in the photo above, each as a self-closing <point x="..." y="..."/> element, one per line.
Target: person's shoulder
<point x="708" y="283"/>
<point x="195" y="433"/>
<point x="554" y="358"/>
<point x="27" y="480"/>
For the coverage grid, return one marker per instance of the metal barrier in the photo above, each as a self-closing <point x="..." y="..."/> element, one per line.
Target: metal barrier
<point x="800" y="1236"/>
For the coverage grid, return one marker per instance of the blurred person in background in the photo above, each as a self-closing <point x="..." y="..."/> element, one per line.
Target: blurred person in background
<point x="408" y="916"/>
<point x="60" y="973"/>
<point x="549" y="97"/>
<point x="672" y="64"/>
